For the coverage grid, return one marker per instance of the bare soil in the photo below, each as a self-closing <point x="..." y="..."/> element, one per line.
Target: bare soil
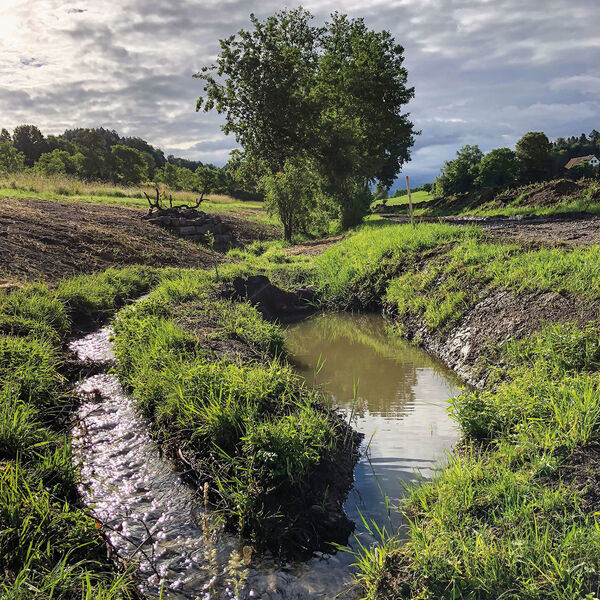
<point x="314" y="247"/>
<point x="44" y="240"/>
<point x="571" y="231"/>
<point x="568" y="229"/>
<point x="581" y="471"/>
<point x="470" y="348"/>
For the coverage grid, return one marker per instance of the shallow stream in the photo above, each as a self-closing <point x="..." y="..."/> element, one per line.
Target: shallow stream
<point x="395" y="394"/>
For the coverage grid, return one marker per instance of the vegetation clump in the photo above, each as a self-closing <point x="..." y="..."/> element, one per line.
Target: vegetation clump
<point x="209" y="374"/>
<point x="50" y="547"/>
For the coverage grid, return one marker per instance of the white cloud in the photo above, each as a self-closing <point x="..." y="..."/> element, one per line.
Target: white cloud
<point x="485" y="71"/>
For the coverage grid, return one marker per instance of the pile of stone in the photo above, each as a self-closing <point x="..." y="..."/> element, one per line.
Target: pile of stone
<point x="193" y="225"/>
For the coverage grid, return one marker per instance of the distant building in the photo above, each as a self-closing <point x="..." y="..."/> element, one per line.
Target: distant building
<point x="582" y="160"/>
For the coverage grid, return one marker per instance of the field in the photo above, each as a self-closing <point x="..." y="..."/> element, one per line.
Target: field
<point x="62" y="188"/>
<point x="514" y="511"/>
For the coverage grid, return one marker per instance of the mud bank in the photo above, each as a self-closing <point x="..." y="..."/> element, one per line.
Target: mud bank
<point x="471" y="346"/>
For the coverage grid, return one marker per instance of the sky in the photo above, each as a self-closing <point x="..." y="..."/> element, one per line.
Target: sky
<point x="485" y="71"/>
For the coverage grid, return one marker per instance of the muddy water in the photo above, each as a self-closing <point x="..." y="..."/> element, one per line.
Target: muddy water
<point x="151" y="517"/>
<point x="393" y="392"/>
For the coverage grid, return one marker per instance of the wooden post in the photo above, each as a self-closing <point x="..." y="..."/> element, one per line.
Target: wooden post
<point x="410" y="208"/>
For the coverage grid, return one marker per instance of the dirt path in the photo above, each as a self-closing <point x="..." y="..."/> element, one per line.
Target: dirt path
<point x="572" y="229"/>
<point x="314" y="247"/>
<point x="43" y="240"/>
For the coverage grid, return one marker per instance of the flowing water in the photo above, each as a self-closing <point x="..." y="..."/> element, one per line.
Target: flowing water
<point x="396" y="396"/>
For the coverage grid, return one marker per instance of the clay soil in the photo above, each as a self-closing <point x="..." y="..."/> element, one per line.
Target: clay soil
<point x="43" y="240"/>
<point x="568" y="231"/>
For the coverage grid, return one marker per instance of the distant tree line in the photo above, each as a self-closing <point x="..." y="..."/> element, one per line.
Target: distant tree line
<point x="99" y="154"/>
<point x="534" y="159"/>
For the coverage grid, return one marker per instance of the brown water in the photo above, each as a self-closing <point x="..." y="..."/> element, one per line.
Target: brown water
<point x="152" y="517"/>
<point x="396" y="396"/>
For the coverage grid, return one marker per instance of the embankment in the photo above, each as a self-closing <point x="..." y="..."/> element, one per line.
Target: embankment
<point x="513" y="513"/>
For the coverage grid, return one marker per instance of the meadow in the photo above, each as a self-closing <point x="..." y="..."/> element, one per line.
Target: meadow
<point x="513" y="513"/>
<point x="72" y="189"/>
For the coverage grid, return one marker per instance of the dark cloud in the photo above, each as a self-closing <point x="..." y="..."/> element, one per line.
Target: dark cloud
<point x="31" y="62"/>
<point x="485" y="72"/>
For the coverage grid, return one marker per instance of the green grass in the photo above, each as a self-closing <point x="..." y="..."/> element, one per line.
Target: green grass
<point x="417" y="197"/>
<point x="252" y="427"/>
<point x="437" y="271"/>
<point x="64" y="188"/>
<point x="50" y="548"/>
<point x="270" y="259"/>
<point x="498" y="522"/>
<point x="361" y="264"/>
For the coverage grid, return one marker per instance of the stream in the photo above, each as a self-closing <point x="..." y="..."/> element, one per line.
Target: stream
<point x="392" y="392"/>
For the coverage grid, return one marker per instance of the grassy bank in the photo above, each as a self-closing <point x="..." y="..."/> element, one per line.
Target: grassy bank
<point x="49" y="546"/>
<point x="514" y="513"/>
<point x="210" y="375"/>
<point x="555" y="197"/>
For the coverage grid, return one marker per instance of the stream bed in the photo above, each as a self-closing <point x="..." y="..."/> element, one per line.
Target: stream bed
<point x="393" y="393"/>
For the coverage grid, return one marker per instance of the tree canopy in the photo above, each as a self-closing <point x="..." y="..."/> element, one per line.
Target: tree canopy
<point x="533" y="151"/>
<point x="331" y="96"/>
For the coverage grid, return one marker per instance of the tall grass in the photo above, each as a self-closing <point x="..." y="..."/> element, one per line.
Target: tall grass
<point x="251" y="429"/>
<point x="49" y="548"/>
<point x="369" y="257"/>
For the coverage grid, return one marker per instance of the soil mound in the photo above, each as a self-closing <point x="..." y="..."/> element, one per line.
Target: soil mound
<point x="553" y="192"/>
<point x="44" y="240"/>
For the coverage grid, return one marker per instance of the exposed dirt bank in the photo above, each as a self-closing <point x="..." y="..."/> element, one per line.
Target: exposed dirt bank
<point x="569" y="229"/>
<point x="43" y="240"/>
<point x="535" y="195"/>
<point x="469" y="347"/>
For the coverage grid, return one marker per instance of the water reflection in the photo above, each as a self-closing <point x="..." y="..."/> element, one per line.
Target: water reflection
<point x="155" y="518"/>
<point x="396" y="394"/>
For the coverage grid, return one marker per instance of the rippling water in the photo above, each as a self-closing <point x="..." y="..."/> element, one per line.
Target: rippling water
<point x="152" y="517"/>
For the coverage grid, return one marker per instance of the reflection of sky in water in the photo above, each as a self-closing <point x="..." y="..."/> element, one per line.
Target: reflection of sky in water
<point x="401" y="404"/>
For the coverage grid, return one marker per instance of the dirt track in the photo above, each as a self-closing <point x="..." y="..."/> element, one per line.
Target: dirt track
<point x="42" y="240"/>
<point x="573" y="229"/>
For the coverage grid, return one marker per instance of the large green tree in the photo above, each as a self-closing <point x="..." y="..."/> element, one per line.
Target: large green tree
<point x="289" y="89"/>
<point x="361" y="90"/>
<point x="498" y="167"/>
<point x="262" y="83"/>
<point x="533" y="152"/>
<point x="29" y="140"/>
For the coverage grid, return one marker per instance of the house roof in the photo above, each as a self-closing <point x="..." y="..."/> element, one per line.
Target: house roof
<point x="578" y="161"/>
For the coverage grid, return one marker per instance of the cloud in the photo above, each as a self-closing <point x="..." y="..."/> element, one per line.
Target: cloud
<point x="484" y="71"/>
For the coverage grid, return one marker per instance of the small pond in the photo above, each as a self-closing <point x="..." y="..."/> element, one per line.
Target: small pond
<point x="393" y="393"/>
